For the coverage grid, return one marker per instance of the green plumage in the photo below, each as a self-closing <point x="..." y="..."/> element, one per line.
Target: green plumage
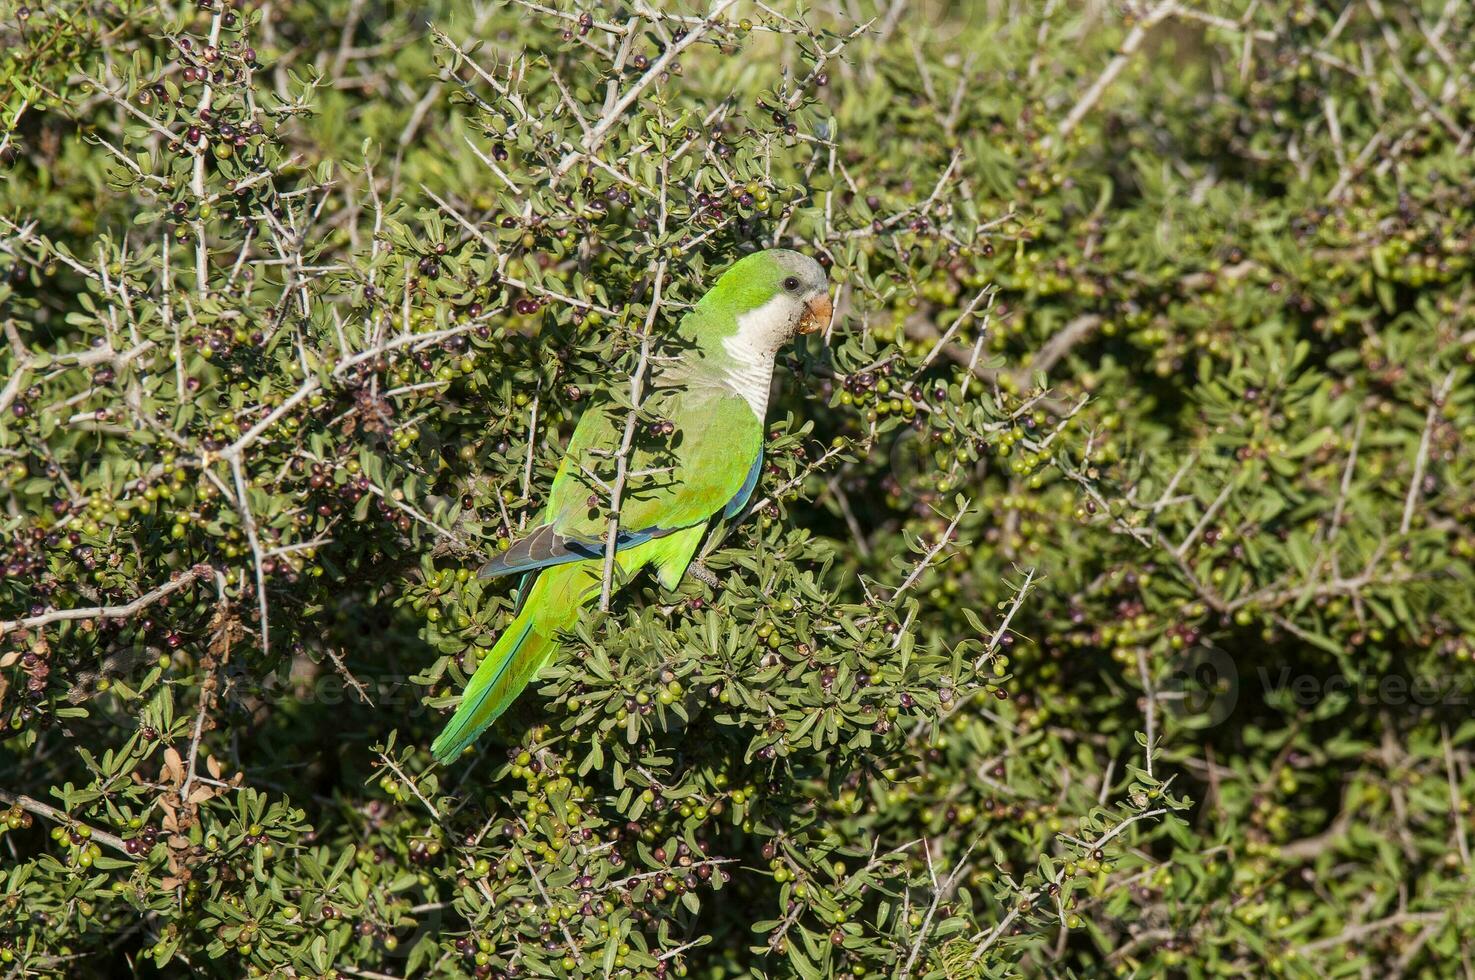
<point x="713" y="396"/>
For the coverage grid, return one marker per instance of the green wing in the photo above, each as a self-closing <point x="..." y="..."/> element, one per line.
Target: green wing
<point x="679" y="481"/>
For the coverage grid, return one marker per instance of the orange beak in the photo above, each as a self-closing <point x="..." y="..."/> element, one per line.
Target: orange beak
<point x="817" y="315"/>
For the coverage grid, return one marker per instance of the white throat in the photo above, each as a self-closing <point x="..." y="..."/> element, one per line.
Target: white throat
<point x="760" y="333"/>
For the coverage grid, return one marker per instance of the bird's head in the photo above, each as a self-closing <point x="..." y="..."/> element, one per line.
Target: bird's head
<point x="770" y="296"/>
<point x="804" y="287"/>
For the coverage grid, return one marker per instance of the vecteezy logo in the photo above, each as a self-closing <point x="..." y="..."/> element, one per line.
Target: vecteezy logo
<point x="1202" y="687"/>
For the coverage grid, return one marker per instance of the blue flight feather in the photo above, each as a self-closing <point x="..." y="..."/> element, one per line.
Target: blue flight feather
<point x="740" y="499"/>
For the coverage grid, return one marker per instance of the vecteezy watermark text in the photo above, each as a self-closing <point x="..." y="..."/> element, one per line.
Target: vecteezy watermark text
<point x="1386" y="689"/>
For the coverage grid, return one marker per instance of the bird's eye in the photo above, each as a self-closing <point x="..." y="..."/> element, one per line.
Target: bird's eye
<point x="791" y="284"/>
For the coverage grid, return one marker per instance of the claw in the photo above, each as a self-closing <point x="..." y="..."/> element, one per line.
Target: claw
<point x="704" y="575"/>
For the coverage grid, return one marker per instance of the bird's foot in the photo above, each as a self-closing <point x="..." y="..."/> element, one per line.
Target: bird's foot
<point x="704" y="575"/>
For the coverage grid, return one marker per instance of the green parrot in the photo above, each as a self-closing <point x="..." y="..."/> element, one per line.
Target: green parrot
<point x="712" y="398"/>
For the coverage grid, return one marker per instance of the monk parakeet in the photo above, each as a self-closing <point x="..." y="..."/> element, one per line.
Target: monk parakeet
<point x="700" y="465"/>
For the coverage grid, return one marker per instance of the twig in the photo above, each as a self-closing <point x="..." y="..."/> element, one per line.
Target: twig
<point x="938" y="890"/>
<point x="1354" y="933"/>
<point x="1454" y="796"/>
<point x="637" y="394"/>
<point x="538" y="881"/>
<point x="186" y="578"/>
<point x="347" y="675"/>
<point x="1129" y="46"/>
<point x="1203" y="521"/>
<point x="932" y="553"/>
<point x="1415" y="486"/>
<point x="248" y="519"/>
<point x="197" y="176"/>
<point x="527" y="470"/>
<point x="414" y="787"/>
<point x="998" y="637"/>
<point x="1008" y="920"/>
<point x="987" y="293"/>
<point x="613" y="113"/>
<point x="57" y="816"/>
<point x="1150" y="692"/>
<point x="208" y="688"/>
<point x="207" y="695"/>
<point x="671" y="953"/>
<point x="1059" y="345"/>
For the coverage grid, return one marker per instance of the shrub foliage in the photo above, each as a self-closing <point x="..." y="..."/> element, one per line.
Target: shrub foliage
<point x="1105" y="604"/>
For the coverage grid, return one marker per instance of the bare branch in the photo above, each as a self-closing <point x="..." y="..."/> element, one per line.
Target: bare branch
<point x="181" y="581"/>
<point x="57" y="816"/>
<point x="1129" y="46"/>
<point x="1416" y="485"/>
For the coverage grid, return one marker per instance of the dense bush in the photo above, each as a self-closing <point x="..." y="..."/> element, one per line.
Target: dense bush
<point x="1106" y="601"/>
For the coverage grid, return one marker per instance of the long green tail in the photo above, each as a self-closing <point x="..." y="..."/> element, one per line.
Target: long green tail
<point x="519" y="654"/>
<point x="550" y="605"/>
